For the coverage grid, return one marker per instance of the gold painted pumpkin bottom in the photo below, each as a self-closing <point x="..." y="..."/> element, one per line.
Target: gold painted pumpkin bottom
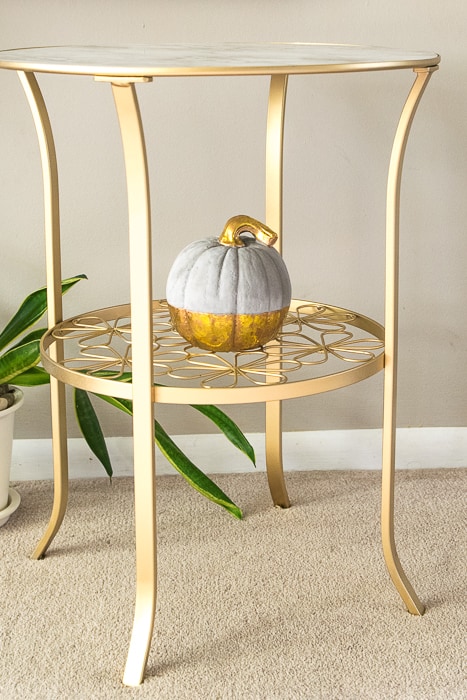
<point x="227" y="332"/>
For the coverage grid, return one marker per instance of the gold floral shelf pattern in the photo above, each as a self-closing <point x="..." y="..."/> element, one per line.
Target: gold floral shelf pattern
<point x="313" y="335"/>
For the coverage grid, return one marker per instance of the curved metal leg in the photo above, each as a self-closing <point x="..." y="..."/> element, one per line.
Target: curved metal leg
<point x="60" y="462"/>
<point x="274" y="158"/>
<point x="396" y="572"/>
<point x="142" y="380"/>
<point x="54" y="303"/>
<point x="274" y="466"/>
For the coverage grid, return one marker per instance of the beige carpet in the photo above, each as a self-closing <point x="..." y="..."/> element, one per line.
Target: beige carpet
<point x="282" y="605"/>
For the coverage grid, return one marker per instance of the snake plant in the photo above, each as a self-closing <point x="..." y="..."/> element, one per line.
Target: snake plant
<point x="19" y="365"/>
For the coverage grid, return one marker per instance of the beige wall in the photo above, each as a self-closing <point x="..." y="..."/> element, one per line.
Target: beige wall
<point x="206" y="148"/>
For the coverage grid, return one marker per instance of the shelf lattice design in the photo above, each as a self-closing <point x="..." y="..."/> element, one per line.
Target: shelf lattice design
<point x="312" y="334"/>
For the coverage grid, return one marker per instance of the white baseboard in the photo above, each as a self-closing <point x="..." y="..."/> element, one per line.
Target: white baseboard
<point x="427" y="448"/>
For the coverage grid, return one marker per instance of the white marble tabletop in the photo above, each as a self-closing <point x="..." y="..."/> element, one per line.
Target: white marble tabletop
<point x="212" y="59"/>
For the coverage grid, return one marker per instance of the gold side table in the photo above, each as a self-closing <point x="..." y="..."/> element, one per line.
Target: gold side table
<point x="320" y="348"/>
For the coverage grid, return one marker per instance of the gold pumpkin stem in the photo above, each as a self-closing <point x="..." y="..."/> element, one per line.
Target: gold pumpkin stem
<point x="241" y="223"/>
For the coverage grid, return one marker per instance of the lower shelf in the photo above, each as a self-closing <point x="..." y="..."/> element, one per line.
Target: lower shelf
<point x="320" y="348"/>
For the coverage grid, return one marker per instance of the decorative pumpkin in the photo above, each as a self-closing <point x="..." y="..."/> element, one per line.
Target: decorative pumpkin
<point x="230" y="293"/>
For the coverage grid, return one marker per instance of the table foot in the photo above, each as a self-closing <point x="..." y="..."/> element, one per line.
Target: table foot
<point x="274" y="466"/>
<point x="391" y="557"/>
<point x="141" y="635"/>
<point x="400" y="580"/>
<point x="56" y="518"/>
<point x="60" y="461"/>
<point x="146" y="546"/>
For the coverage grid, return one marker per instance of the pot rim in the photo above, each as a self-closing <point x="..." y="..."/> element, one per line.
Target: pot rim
<point x="19" y="402"/>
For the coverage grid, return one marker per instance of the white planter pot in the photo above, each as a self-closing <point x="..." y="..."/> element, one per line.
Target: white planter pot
<point x="9" y="498"/>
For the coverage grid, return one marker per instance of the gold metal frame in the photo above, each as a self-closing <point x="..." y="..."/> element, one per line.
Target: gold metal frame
<point x="319" y="348"/>
<point x="54" y="303"/>
<point x="396" y="572"/>
<point x="274" y="199"/>
<point x="272" y="389"/>
<point x="143" y="411"/>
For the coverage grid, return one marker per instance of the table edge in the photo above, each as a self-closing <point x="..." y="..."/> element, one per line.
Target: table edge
<point x="109" y="71"/>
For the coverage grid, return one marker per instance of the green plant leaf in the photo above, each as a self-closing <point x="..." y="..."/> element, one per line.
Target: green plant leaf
<point x="31" y="310"/>
<point x="17" y="360"/>
<point x="195" y="477"/>
<point x="230" y="429"/>
<point x="33" y="335"/>
<point x="125" y="405"/>
<point x="90" y="427"/>
<point x="32" y="377"/>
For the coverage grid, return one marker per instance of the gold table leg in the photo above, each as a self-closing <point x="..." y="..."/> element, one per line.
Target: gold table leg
<point x="274" y="170"/>
<point x="142" y="380"/>
<point x="396" y="572"/>
<point x="54" y="303"/>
